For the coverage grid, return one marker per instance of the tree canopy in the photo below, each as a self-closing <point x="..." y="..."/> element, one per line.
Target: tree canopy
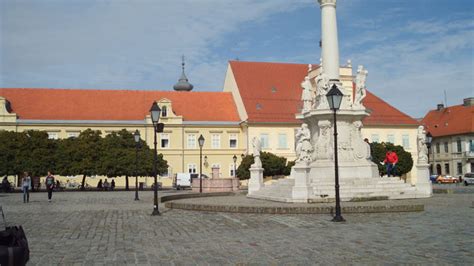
<point x="88" y="154"/>
<point x="272" y="165"/>
<point x="378" y="151"/>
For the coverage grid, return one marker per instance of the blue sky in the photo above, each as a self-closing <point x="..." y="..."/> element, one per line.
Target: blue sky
<point x="414" y="50"/>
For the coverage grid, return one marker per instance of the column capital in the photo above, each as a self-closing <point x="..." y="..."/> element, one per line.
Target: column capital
<point x="327" y="2"/>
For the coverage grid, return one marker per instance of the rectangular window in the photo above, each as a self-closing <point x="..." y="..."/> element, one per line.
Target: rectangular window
<point x="216" y="141"/>
<point x="459" y="168"/>
<point x="192" y="168"/>
<point x="53" y="135"/>
<point x="405" y="141"/>
<point x="446" y="147"/>
<point x="72" y="134"/>
<point x="231" y="169"/>
<point x="191" y="141"/>
<point x="391" y="138"/>
<point x="233" y="141"/>
<point x="471" y="147"/>
<point x="375" y="137"/>
<point x="165" y="141"/>
<point x="282" y="141"/>
<point x="264" y="140"/>
<point x="446" y="168"/>
<point x="166" y="173"/>
<point x="216" y="165"/>
<point x="459" y="145"/>
<point x="437" y="148"/>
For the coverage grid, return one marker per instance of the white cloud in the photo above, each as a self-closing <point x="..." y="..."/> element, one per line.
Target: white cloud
<point x="413" y="71"/>
<point x="110" y="44"/>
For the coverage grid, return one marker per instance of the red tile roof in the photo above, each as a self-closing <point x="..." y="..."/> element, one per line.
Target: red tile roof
<point x="271" y="92"/>
<point x="69" y="104"/>
<point x="453" y="120"/>
<point x="383" y="113"/>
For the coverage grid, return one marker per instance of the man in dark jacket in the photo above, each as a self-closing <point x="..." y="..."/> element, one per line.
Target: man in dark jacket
<point x="49" y="185"/>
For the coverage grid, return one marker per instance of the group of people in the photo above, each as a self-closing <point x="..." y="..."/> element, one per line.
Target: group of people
<point x="106" y="185"/>
<point x="26" y="186"/>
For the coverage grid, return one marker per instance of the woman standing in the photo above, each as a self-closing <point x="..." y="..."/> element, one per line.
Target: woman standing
<point x="26" y="186"/>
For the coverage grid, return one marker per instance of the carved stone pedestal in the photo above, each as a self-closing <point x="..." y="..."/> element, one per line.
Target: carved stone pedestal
<point x="256" y="180"/>
<point x="301" y="190"/>
<point x="423" y="183"/>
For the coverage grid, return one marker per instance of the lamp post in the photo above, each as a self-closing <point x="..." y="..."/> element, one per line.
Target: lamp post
<point x="201" y="143"/>
<point x="235" y="162"/>
<point x="429" y="138"/>
<point x="334" y="97"/>
<point x="136" y="136"/>
<point x="155" y="112"/>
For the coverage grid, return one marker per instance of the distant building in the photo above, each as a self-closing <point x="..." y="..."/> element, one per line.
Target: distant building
<point x="452" y="148"/>
<point x="268" y="95"/>
<point x="259" y="99"/>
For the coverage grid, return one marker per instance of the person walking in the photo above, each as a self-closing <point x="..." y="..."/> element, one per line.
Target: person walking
<point x="391" y="159"/>
<point x="50" y="185"/>
<point x="26" y="186"/>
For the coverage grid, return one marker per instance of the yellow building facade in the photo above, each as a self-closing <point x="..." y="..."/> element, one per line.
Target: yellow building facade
<point x="258" y="100"/>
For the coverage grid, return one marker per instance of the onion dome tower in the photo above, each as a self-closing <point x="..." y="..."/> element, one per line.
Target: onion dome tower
<point x="183" y="84"/>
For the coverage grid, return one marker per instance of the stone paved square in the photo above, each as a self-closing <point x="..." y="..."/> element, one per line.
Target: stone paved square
<point x="110" y="228"/>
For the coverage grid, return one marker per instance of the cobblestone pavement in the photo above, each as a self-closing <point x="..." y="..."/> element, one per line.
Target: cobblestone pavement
<point x="97" y="228"/>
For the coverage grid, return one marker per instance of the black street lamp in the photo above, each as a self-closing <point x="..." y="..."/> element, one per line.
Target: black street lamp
<point x="235" y="162"/>
<point x="429" y="138"/>
<point x="334" y="97"/>
<point x="201" y="143"/>
<point x="155" y="112"/>
<point x="136" y="136"/>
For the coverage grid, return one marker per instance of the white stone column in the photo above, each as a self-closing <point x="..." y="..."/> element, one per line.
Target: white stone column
<point x="301" y="190"/>
<point x="423" y="183"/>
<point x="330" y="45"/>
<point x="256" y="180"/>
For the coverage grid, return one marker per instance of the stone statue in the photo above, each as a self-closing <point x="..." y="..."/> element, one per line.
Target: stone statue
<point x="303" y="144"/>
<point x="307" y="95"/>
<point x="322" y="86"/>
<point x="323" y="144"/>
<point x="421" y="145"/>
<point x="361" y="148"/>
<point x="360" y="91"/>
<point x="257" y="147"/>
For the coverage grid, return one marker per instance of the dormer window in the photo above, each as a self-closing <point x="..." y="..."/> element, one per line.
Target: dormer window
<point x="164" y="112"/>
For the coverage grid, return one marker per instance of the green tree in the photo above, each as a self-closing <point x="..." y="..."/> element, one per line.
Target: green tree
<point x="29" y="151"/>
<point x="37" y="154"/>
<point x="272" y="165"/>
<point x="83" y="155"/>
<point x="9" y="149"/>
<point x="378" y="151"/>
<point x="118" y="157"/>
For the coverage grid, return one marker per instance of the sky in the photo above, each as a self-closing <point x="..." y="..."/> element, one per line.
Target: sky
<point x="418" y="52"/>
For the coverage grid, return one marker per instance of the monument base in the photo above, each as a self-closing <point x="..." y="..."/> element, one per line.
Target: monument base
<point x="301" y="191"/>
<point x="256" y="180"/>
<point x="423" y="183"/>
<point x="216" y="184"/>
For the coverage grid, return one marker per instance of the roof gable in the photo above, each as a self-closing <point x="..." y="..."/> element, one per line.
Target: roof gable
<point x="453" y="120"/>
<point x="271" y="92"/>
<point x="74" y="104"/>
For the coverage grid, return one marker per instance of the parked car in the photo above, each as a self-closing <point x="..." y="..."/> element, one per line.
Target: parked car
<point x="446" y="179"/>
<point x="468" y="179"/>
<point x="433" y="178"/>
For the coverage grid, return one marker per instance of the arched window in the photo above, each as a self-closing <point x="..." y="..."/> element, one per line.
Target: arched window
<point x="164" y="112"/>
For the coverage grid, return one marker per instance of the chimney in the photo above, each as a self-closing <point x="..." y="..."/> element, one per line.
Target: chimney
<point x="469" y="101"/>
<point x="440" y="106"/>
